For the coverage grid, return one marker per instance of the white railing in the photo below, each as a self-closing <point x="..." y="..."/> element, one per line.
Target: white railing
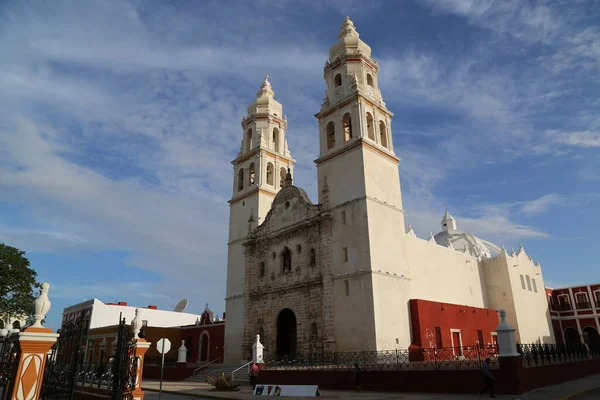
<point x="245" y="365"/>
<point x="206" y="365"/>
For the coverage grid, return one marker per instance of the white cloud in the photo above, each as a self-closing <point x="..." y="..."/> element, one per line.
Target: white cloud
<point x="540" y="205"/>
<point x="578" y="139"/>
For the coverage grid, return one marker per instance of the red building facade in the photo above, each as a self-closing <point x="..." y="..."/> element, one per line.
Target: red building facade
<point x="205" y="341"/>
<point x="575" y="313"/>
<point x="441" y="325"/>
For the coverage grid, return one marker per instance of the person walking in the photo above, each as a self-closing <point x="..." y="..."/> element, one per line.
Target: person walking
<point x="254" y="371"/>
<point x="357" y="377"/>
<point x="488" y="379"/>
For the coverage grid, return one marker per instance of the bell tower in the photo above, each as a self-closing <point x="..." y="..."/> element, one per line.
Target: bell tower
<point x="358" y="164"/>
<point x="259" y="172"/>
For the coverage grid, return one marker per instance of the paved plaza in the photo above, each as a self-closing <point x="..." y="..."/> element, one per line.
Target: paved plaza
<point x="585" y="389"/>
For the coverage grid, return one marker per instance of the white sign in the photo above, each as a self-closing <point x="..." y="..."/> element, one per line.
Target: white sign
<point x="166" y="348"/>
<point x="287" y="390"/>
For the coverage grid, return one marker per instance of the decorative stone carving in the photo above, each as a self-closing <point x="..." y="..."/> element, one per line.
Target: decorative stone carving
<point x="41" y="306"/>
<point x="325" y="100"/>
<point x="431" y="238"/>
<point x="339" y="91"/>
<point x="410" y="231"/>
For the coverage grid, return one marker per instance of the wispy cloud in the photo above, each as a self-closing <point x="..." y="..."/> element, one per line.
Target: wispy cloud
<point x="577" y="139"/>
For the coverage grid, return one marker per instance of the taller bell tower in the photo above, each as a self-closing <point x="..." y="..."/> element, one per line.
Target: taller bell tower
<point x="358" y="165"/>
<point x="259" y="172"/>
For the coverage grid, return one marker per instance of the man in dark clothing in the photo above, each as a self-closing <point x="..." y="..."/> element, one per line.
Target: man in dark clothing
<point x="357" y="377"/>
<point x="488" y="379"/>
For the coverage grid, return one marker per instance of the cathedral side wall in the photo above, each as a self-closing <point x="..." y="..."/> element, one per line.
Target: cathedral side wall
<point x="392" y="312"/>
<point x="527" y="311"/>
<point x="500" y="291"/>
<point x="350" y="238"/>
<point x="385" y="234"/>
<point x="353" y="312"/>
<point x="234" y="330"/>
<point x="533" y="315"/>
<point x="441" y="274"/>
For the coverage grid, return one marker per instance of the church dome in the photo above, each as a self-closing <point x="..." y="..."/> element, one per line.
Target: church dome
<point x="463" y="241"/>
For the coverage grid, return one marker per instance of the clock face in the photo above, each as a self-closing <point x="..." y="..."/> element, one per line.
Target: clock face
<point x="370" y="91"/>
<point x="338" y="92"/>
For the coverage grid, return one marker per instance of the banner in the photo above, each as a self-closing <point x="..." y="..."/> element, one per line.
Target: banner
<point x="287" y="390"/>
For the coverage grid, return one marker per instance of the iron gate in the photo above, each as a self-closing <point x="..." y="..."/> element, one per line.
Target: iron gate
<point x="8" y="360"/>
<point x="68" y="371"/>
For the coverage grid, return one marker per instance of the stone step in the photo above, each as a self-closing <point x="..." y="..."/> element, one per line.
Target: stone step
<point x="216" y="370"/>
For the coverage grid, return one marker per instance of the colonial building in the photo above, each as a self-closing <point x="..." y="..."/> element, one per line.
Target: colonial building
<point x="203" y="334"/>
<point x="345" y="274"/>
<point x="575" y="314"/>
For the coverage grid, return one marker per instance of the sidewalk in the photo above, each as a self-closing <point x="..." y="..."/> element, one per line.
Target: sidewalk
<point x="202" y="390"/>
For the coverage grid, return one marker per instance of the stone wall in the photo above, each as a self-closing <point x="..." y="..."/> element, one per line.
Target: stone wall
<point x="298" y="226"/>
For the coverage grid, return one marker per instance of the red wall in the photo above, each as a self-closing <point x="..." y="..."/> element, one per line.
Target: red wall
<point x="178" y="373"/>
<point x="511" y="378"/>
<point x="216" y="333"/>
<point x="426" y="315"/>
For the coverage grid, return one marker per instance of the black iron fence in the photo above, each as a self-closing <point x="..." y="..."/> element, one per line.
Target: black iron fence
<point x="545" y="354"/>
<point x="466" y="357"/>
<point x="8" y="360"/>
<point x="66" y="372"/>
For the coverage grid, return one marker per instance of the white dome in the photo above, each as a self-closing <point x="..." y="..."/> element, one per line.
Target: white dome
<point x="462" y="241"/>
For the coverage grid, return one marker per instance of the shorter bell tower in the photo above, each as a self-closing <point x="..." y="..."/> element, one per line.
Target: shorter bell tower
<point x="259" y="172"/>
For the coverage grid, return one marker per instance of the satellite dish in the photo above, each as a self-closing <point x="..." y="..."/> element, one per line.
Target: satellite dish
<point x="181" y="306"/>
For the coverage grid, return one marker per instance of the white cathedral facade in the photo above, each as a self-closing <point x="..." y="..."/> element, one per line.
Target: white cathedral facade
<point x="338" y="275"/>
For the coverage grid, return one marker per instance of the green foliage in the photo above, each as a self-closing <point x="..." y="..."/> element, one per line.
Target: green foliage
<point x="17" y="283"/>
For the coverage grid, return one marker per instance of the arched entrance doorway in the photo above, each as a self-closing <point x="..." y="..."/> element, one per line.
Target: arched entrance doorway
<point x="286" y="334"/>
<point x="591" y="338"/>
<point x="204" y="342"/>
<point x="572" y="338"/>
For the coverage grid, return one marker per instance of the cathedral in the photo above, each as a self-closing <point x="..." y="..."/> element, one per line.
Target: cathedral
<point x="345" y="273"/>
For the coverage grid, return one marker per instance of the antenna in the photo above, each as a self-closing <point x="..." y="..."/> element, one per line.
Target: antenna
<point x="181" y="306"/>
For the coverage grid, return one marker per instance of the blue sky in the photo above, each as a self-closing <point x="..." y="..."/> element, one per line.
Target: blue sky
<point x="119" y="119"/>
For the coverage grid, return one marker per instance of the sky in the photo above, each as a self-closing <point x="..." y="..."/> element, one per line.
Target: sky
<point x="119" y="120"/>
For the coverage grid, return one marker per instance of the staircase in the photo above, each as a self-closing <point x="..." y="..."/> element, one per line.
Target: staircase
<point x="216" y="370"/>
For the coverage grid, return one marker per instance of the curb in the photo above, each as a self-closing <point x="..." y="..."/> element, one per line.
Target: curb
<point x="199" y="395"/>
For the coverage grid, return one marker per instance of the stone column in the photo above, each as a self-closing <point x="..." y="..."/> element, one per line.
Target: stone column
<point x="33" y="344"/>
<point x="141" y="347"/>
<point x="511" y="363"/>
<point x="257" y="351"/>
<point x="329" y="345"/>
<point x="507" y="345"/>
<point x="182" y="353"/>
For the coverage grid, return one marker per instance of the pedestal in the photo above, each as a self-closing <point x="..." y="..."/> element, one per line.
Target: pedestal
<point x="141" y="348"/>
<point x="33" y="345"/>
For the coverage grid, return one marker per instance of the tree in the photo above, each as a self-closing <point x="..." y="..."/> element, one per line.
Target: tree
<point x="17" y="282"/>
